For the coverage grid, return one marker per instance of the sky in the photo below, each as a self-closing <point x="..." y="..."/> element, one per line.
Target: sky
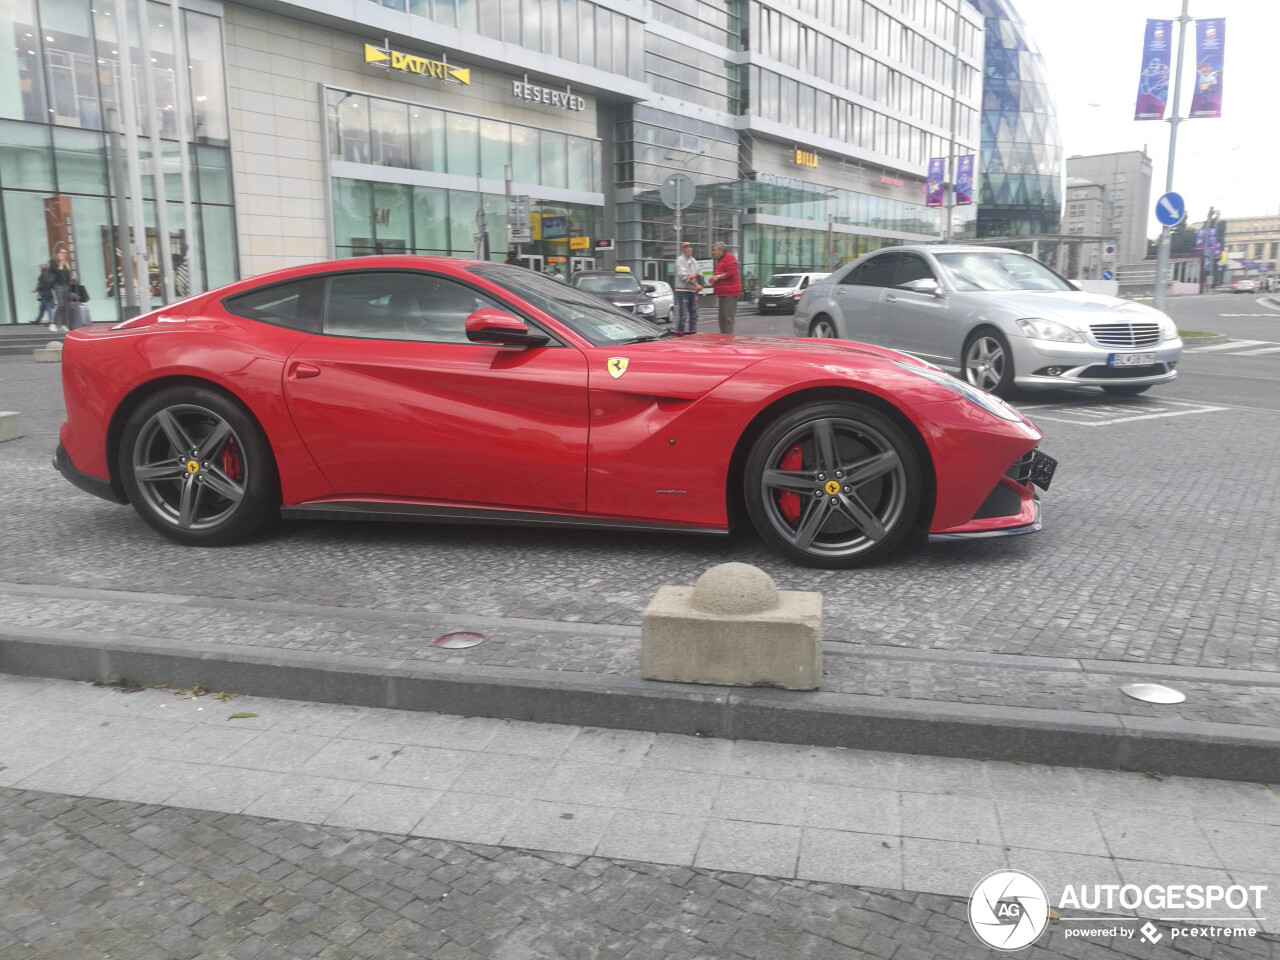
<point x="1093" y="52"/>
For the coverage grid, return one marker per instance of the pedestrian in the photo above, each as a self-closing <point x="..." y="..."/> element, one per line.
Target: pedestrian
<point x="557" y="275"/>
<point x="44" y="291"/>
<point x="727" y="286"/>
<point x="512" y="259"/>
<point x="688" y="284"/>
<point x="61" y="292"/>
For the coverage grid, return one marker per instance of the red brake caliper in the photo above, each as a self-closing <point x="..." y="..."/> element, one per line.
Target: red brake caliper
<point x="789" y="501"/>
<point x="231" y="460"/>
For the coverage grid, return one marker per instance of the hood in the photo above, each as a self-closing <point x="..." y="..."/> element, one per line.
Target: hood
<point x="1073" y="307"/>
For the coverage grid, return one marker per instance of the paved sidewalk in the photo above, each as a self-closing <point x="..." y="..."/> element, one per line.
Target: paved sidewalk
<point x="313" y="830"/>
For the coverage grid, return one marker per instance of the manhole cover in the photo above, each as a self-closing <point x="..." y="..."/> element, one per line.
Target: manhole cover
<point x="457" y="641"/>
<point x="1153" y="693"/>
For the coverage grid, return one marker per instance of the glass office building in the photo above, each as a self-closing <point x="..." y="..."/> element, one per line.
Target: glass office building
<point x="410" y="125"/>
<point x="1020" y="167"/>
<point x="60" y="149"/>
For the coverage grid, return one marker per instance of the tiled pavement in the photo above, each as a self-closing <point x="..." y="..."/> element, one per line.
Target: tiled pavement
<point x="158" y="825"/>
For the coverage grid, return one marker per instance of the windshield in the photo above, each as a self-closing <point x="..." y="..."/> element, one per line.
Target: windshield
<point x="783" y="280"/>
<point x="593" y="319"/>
<point x="999" y="271"/>
<point x="609" y="283"/>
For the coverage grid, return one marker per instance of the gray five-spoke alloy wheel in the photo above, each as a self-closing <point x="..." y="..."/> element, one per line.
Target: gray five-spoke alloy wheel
<point x="833" y="485"/>
<point x="187" y="464"/>
<point x="987" y="362"/>
<point x="197" y="468"/>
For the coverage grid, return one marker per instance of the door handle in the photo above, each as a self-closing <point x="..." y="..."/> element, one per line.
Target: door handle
<point x="890" y="298"/>
<point x="303" y="371"/>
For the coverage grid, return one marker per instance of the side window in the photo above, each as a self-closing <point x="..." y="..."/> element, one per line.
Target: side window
<point x="400" y="305"/>
<point x="804" y="282"/>
<point x="295" y="304"/>
<point x="912" y="266"/>
<point x="876" y="272"/>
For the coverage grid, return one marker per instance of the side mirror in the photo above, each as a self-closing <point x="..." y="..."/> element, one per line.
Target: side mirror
<point x="1075" y="284"/>
<point x="489" y="325"/>
<point x="923" y="285"/>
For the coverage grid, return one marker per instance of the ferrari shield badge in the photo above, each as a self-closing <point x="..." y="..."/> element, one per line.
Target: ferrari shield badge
<point x="617" y="366"/>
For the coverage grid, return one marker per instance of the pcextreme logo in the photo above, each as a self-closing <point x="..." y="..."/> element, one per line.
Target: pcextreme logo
<point x="396" y="60"/>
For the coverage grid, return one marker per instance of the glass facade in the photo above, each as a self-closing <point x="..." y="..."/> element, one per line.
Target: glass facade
<point x="372" y="217"/>
<point x="59" y="114"/>
<point x="575" y="30"/>
<point x="1020" y="166"/>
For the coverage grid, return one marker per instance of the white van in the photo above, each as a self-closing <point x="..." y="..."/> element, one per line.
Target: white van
<point x="783" y="291"/>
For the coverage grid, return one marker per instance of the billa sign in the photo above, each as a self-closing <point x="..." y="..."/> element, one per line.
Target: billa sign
<point x="441" y="69"/>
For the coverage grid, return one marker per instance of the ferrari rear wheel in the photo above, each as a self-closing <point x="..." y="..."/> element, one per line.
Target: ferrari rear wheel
<point x="833" y="484"/>
<point x="197" y="468"/>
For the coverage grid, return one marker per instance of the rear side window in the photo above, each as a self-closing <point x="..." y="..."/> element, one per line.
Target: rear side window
<point x="876" y="272"/>
<point x="295" y="304"/>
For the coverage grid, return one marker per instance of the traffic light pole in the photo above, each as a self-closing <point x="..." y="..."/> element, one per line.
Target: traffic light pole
<point x="1162" y="250"/>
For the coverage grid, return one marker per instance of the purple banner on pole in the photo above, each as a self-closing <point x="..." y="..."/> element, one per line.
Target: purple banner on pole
<point x="1200" y="239"/>
<point x="1211" y="35"/>
<point x="964" y="181"/>
<point x="933" y="189"/>
<point x="1153" y="83"/>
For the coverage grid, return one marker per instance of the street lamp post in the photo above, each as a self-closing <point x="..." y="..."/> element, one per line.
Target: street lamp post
<point x="1162" y="250"/>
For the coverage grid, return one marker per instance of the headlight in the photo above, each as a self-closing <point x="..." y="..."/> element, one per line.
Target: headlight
<point x="1039" y="329"/>
<point x="644" y="308"/>
<point x="992" y="404"/>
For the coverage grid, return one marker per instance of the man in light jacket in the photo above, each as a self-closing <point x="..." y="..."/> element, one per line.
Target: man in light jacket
<point x="727" y="286"/>
<point x="688" y="283"/>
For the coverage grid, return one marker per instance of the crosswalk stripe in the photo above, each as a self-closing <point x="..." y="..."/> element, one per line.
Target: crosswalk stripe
<point x="1259" y="352"/>
<point x="1233" y="345"/>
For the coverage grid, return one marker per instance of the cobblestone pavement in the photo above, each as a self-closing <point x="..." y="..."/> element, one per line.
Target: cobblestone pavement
<point x="153" y="826"/>
<point x="1159" y="546"/>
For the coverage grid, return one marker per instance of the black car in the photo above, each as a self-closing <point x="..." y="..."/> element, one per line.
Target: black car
<point x="623" y="290"/>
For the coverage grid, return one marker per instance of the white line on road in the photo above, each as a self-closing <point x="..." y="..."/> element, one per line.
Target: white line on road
<point x="1259" y="352"/>
<point x="1233" y="345"/>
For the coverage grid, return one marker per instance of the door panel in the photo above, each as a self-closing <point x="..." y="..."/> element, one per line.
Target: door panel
<point x="914" y="322"/>
<point x="394" y="401"/>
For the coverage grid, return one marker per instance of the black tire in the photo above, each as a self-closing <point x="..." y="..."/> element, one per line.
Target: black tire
<point x="823" y="327"/>
<point x="987" y="362"/>
<point x="197" y="467"/>
<point x="1128" y="390"/>
<point x="862" y="519"/>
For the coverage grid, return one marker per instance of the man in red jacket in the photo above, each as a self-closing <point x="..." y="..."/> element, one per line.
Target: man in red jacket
<point x="727" y="286"/>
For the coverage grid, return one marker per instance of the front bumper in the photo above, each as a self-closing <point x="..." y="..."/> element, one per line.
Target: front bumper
<point x="1085" y="364"/>
<point x="90" y="484"/>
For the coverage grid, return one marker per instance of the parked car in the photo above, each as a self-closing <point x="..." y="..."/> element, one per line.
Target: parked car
<point x="1000" y="318"/>
<point x="663" y="297"/>
<point x="623" y="290"/>
<point x="1244" y="285"/>
<point x="423" y="388"/>
<point x="783" y="290"/>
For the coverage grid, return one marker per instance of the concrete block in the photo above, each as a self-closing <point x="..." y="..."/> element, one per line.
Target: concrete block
<point x="51" y="352"/>
<point x="10" y="428"/>
<point x="734" y="628"/>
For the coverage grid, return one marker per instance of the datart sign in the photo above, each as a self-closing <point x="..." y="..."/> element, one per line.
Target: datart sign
<point x="564" y="99"/>
<point x="440" y="69"/>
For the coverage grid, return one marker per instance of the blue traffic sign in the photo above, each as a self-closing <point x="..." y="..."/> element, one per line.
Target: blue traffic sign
<point x="1170" y="209"/>
<point x="1108" y="275"/>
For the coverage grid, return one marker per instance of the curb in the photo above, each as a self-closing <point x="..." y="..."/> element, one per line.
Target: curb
<point x="1190" y="343"/>
<point x="968" y="731"/>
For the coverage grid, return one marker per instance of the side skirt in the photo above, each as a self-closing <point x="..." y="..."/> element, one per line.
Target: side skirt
<point x="431" y="513"/>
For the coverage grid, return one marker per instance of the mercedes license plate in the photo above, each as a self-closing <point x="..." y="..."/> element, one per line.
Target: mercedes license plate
<point x="1131" y="359"/>
<point x="1042" y="467"/>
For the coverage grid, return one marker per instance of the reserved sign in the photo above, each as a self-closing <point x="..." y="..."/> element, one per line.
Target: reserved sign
<point x="553" y="98"/>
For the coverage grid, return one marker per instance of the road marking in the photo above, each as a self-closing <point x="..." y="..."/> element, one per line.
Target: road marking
<point x="1259" y="352"/>
<point x="1233" y="345"/>
<point x="1271" y="315"/>
<point x="1108" y="414"/>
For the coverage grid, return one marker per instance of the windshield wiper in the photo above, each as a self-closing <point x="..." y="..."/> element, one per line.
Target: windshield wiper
<point x="649" y="336"/>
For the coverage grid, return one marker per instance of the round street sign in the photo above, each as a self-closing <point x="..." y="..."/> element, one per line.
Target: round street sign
<point x="1108" y="275"/>
<point x="1170" y="209"/>
<point x="677" y="191"/>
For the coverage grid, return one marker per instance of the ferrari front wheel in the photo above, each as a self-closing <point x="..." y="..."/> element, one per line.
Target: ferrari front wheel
<point x="833" y="484"/>
<point x="197" y="468"/>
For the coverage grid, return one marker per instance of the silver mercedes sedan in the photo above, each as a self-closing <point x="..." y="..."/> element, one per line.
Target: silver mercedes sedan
<point x="999" y="318"/>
